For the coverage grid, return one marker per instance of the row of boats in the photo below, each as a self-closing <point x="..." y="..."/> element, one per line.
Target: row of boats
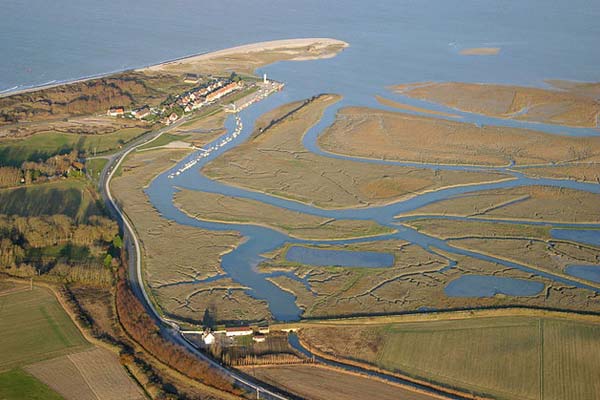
<point x="205" y="152"/>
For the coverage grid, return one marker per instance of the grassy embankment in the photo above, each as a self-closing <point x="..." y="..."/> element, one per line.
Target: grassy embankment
<point x="94" y="168"/>
<point x="505" y="357"/>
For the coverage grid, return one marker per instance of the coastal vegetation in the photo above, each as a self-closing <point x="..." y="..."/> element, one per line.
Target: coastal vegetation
<point x="417" y="281"/>
<point x="528" y="203"/>
<point x="192" y="254"/>
<point x="377" y="134"/>
<point x="275" y="161"/>
<point x="216" y="207"/>
<point x="524" y="244"/>
<point x="571" y="106"/>
<point x="505" y="357"/>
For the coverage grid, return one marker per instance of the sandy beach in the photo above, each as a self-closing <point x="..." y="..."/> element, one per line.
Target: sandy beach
<point x="286" y="45"/>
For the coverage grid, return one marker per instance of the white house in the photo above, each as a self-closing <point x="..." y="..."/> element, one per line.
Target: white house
<point x="259" y="338"/>
<point x="208" y="338"/>
<point x="238" y="331"/>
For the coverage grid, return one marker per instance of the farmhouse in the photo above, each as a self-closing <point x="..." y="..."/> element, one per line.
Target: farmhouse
<point x="259" y="338"/>
<point x="263" y="329"/>
<point x="238" y="331"/>
<point x="116" y="111"/>
<point x="208" y="338"/>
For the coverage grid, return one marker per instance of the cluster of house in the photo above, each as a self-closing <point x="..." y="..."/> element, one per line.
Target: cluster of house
<point x="259" y="335"/>
<point x="138" y="113"/>
<point x="188" y="101"/>
<point x="206" y="94"/>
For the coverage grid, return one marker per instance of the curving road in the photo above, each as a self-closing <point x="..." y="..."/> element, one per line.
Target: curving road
<point x="168" y="328"/>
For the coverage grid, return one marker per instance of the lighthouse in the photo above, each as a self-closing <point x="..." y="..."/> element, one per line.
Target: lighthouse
<point x="265" y="79"/>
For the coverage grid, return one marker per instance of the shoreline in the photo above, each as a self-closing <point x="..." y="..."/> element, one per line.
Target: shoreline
<point x="245" y="48"/>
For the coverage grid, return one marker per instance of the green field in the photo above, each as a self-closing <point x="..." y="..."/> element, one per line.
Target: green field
<point x="46" y="144"/>
<point x="64" y="196"/>
<point x="19" y="385"/>
<point x="505" y="357"/>
<point x="34" y="327"/>
<point x="94" y="168"/>
<point x="163" y="140"/>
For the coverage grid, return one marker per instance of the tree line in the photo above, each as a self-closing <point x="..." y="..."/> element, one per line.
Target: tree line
<point x="41" y="170"/>
<point x="58" y="248"/>
<point x="144" y="331"/>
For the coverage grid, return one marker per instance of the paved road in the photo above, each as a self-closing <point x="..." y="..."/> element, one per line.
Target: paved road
<point x="169" y="329"/>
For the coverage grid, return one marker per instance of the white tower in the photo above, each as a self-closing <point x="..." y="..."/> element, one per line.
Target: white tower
<point x="265" y="78"/>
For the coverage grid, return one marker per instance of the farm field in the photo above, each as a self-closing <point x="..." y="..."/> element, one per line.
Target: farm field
<point x="45" y="144"/>
<point x="319" y="383"/>
<point x="505" y="357"/>
<point x="94" y="374"/>
<point x="18" y="385"/>
<point x="34" y="327"/>
<point x="70" y="197"/>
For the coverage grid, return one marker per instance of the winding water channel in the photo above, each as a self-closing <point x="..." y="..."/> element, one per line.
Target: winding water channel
<point x="378" y="57"/>
<point x="240" y="264"/>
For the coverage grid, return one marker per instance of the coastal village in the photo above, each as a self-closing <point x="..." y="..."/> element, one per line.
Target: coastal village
<point x="201" y="96"/>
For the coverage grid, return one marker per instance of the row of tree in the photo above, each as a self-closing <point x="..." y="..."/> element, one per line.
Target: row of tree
<point x="142" y="328"/>
<point x="41" y="170"/>
<point x="59" y="248"/>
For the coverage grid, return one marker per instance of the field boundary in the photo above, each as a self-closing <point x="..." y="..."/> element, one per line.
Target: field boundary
<point x="441" y="315"/>
<point x="443" y="392"/>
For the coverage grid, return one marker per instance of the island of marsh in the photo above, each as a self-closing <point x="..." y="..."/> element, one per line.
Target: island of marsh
<point x="220" y="208"/>
<point x="274" y="161"/>
<point x="575" y="105"/>
<point x="528" y="203"/>
<point x="377" y="134"/>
